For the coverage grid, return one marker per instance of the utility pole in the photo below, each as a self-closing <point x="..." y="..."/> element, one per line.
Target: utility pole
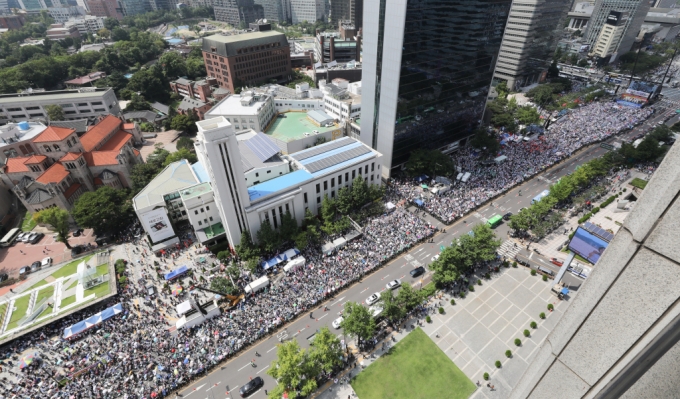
<point x="667" y="69"/>
<point x="632" y="73"/>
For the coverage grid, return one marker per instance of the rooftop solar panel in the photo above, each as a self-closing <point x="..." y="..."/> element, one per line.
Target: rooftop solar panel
<point x="598" y="231"/>
<point x="262" y="147"/>
<point x="336" y="159"/>
<point x="323" y="148"/>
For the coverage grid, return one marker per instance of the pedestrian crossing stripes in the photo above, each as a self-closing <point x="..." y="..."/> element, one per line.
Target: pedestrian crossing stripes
<point x="480" y="217"/>
<point x="509" y="249"/>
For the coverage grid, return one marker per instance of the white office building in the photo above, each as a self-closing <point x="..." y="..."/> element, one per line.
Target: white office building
<point x="636" y="11"/>
<point x="86" y="24"/>
<point x="249" y="110"/>
<point x="312" y="173"/>
<point x="76" y="104"/>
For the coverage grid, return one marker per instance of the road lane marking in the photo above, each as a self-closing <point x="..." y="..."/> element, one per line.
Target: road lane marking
<point x="263" y="369"/>
<point x="364" y="290"/>
<point x="271" y="349"/>
<point x="332" y="304"/>
<point x="323" y="316"/>
<point x="244" y="367"/>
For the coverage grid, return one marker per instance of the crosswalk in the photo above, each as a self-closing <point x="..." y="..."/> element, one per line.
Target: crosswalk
<point x="480" y="217"/>
<point x="508" y="249"/>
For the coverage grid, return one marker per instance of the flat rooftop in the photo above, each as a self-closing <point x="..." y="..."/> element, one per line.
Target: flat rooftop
<point x="231" y="105"/>
<point x="293" y="126"/>
<point x="335" y="155"/>
<point x="10" y="133"/>
<point x="59" y="95"/>
<point x="195" y="191"/>
<point x="278" y="184"/>
<point x="175" y="177"/>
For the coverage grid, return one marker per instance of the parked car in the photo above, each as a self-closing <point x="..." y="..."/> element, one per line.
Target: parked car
<point x="3" y="277"/>
<point x="21" y="236"/>
<point x="77" y="233"/>
<point x="35" y="266"/>
<point x="507" y="216"/>
<point x="46" y="262"/>
<point x="252" y="386"/>
<point x="434" y="258"/>
<point x="372" y="299"/>
<point x="24" y="271"/>
<point x="336" y="322"/>
<point x="26" y="236"/>
<point x="417" y="271"/>
<point x="75" y="251"/>
<point x="393" y="284"/>
<point x="36" y="237"/>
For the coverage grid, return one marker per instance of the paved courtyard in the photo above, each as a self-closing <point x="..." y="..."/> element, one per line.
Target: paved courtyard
<point x="477" y="330"/>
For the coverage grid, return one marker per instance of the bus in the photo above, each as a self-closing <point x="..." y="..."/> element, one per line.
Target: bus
<point x="540" y="196"/>
<point x="494" y="221"/>
<point x="9" y="238"/>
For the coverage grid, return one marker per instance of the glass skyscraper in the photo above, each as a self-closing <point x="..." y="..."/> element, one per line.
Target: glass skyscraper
<point x="427" y="68"/>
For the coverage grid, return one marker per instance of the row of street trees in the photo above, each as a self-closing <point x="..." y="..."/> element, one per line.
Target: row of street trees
<point x="464" y="254"/>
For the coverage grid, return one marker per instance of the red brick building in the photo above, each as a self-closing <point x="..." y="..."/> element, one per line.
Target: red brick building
<point x="11" y="21"/>
<point x="247" y="59"/>
<point x="104" y="8"/>
<point x="201" y="90"/>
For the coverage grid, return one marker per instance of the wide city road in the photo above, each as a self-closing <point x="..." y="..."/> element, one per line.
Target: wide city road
<point x="238" y="371"/>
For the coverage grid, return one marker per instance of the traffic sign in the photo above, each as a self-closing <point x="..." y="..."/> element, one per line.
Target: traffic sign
<point x="607" y="146"/>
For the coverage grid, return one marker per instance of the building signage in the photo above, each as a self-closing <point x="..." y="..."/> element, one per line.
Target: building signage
<point x="157" y="225"/>
<point x="617" y="18"/>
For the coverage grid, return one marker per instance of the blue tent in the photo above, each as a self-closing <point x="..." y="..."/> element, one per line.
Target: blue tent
<point x="289" y="254"/>
<point x="176" y="273"/>
<point x="92" y="321"/>
<point x="565" y="291"/>
<point x="418" y="202"/>
<point x="421" y="178"/>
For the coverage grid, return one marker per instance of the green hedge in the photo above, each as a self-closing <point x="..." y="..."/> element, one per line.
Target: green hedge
<point x="585" y="217"/>
<point x="609" y="201"/>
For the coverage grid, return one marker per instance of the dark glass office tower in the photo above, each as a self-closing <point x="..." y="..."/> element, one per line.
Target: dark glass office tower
<point x="427" y="68"/>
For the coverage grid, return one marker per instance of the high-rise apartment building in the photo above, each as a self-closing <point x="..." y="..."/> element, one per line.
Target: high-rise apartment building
<point x="637" y="10"/>
<point x="430" y="63"/>
<point x="105" y="8"/>
<point x="610" y="35"/>
<point x="340" y="10"/>
<point x="273" y="10"/>
<point x="237" y="12"/>
<point x="529" y="42"/>
<point x="247" y="59"/>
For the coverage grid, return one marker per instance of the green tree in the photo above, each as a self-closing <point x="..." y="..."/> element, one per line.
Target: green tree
<point x="485" y="140"/>
<point x="55" y="112"/>
<point x="252" y="264"/>
<point x="391" y="308"/>
<point x="325" y="350"/>
<point x="648" y="149"/>
<point x="141" y="175"/>
<point x="57" y="218"/>
<point x="541" y="94"/>
<point x="104" y="33"/>
<point x="407" y="297"/>
<point x="358" y="321"/>
<point x="105" y="210"/>
<point x="221" y="284"/>
<point x="431" y="162"/>
<point x="446" y="266"/>
<point x="246" y="249"/>
<point x="289" y="227"/>
<point x="137" y="103"/>
<point x="111" y="23"/>
<point x="195" y="68"/>
<point x="293" y="369"/>
<point x="505" y="120"/>
<point x="359" y="192"/>
<point x="662" y="133"/>
<point x="484" y="243"/>
<point x="344" y="200"/>
<point x="528" y="115"/>
<point x="302" y="240"/>
<point x="173" y="65"/>
<point x="157" y="158"/>
<point x="553" y="70"/>
<point x="179" y="155"/>
<point x="118" y="34"/>
<point x="151" y="83"/>
<point x="182" y="123"/>
<point x="268" y="238"/>
<point x="185" y="142"/>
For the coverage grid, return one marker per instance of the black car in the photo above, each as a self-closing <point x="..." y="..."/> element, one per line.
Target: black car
<point x="252" y="386"/>
<point x="507" y="216"/>
<point x="417" y="271"/>
<point x="78" y="232"/>
<point x="35" y="266"/>
<point x="75" y="251"/>
<point x="3" y="277"/>
<point x="36" y="238"/>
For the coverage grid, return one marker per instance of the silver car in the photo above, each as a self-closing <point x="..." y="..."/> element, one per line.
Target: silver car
<point x="372" y="299"/>
<point x="393" y="284"/>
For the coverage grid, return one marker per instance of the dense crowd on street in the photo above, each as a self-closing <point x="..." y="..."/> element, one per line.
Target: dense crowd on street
<point x="134" y="355"/>
<point x="582" y="126"/>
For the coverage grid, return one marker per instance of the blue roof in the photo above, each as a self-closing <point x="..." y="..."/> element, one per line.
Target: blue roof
<point x="200" y="172"/>
<point x="177" y="272"/>
<point x="278" y="184"/>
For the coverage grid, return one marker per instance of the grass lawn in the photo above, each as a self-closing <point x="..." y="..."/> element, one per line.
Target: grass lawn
<point x="39" y="283"/>
<point x="99" y="291"/>
<point x="27" y="224"/>
<point x="67" y="301"/>
<point x="102" y="270"/>
<point x="414" y="368"/>
<point x="73" y="284"/>
<point x="70" y="268"/>
<point x="639" y="183"/>
<point x="3" y="307"/>
<point x="577" y="256"/>
<point x="44" y="294"/>
<point x="21" y="305"/>
<point x="48" y="310"/>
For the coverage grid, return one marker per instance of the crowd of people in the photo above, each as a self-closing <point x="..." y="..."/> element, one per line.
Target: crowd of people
<point x="134" y="355"/>
<point x="580" y="127"/>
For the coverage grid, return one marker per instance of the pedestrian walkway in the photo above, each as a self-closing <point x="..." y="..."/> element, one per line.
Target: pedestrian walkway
<point x="478" y="329"/>
<point x="509" y="249"/>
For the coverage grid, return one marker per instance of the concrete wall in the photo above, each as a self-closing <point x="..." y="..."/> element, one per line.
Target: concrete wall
<point x="619" y="337"/>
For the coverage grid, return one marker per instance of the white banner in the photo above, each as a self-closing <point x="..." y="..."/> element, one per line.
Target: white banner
<point x="157" y="225"/>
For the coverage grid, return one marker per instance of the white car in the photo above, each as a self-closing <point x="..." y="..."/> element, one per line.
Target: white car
<point x="393" y="284"/>
<point x="336" y="322"/>
<point x="434" y="258"/>
<point x="372" y="299"/>
<point x="375" y="310"/>
<point x="46" y="262"/>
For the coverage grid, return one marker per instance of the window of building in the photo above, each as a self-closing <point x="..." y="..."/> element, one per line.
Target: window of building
<point x="47" y="148"/>
<point x="196" y="212"/>
<point x="366" y="170"/>
<point x="207" y="208"/>
<point x="318" y="200"/>
<point x="82" y="104"/>
<point x="305" y="195"/>
<point x="333" y="182"/>
<point x="353" y="174"/>
<point x="211" y="219"/>
<point x="97" y="103"/>
<point x="199" y="223"/>
<point x="325" y="185"/>
<point x="372" y="166"/>
<point x="339" y="180"/>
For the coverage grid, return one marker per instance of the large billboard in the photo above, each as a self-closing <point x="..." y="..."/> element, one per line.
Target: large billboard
<point x="157" y="225"/>
<point x="617" y="18"/>
<point x="587" y="245"/>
